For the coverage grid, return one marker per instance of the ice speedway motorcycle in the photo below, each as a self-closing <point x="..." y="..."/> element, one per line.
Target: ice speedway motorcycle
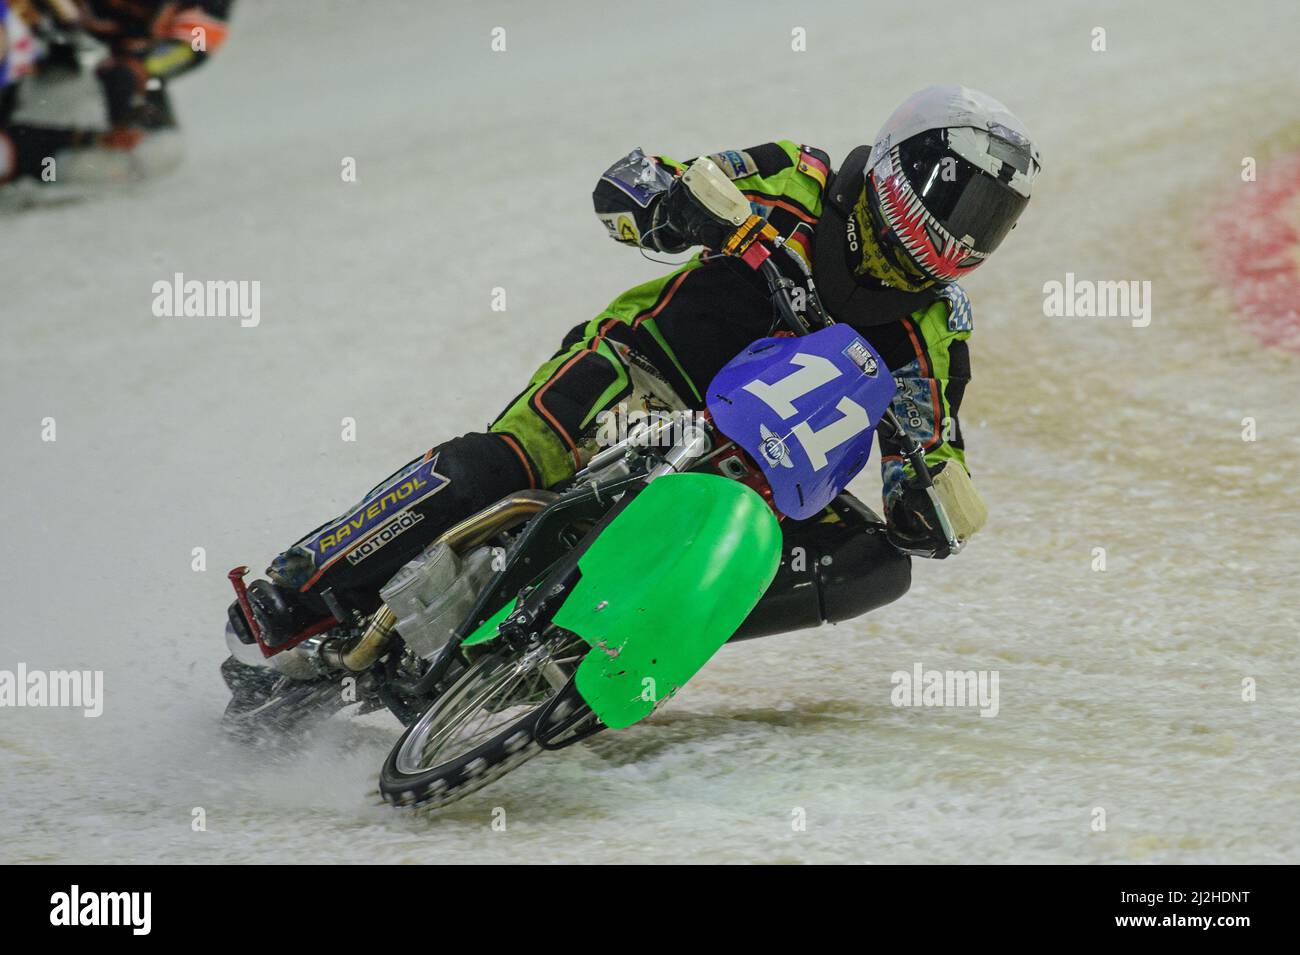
<point x="551" y="615"/>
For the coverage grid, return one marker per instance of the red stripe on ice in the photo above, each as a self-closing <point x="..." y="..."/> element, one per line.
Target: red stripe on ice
<point x="1256" y="250"/>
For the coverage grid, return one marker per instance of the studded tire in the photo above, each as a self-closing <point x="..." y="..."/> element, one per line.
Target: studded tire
<point x="481" y="728"/>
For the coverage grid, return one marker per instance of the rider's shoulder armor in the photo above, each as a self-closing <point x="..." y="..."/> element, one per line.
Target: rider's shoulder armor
<point x="959" y="310"/>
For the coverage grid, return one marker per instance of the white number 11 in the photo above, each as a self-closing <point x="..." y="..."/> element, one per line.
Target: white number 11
<point x="814" y="371"/>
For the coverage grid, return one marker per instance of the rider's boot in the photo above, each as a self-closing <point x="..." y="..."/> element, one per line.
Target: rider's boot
<point x="353" y="555"/>
<point x="280" y="614"/>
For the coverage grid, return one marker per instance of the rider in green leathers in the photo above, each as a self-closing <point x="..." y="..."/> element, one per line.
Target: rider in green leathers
<point x="885" y="237"/>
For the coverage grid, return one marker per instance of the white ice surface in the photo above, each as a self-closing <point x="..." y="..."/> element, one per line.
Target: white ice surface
<point x="1119" y="690"/>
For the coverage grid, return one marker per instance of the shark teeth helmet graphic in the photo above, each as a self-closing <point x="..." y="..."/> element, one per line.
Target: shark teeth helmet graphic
<point x="949" y="174"/>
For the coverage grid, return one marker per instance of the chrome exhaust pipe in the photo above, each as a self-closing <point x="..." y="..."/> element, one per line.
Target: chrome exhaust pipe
<point x="360" y="653"/>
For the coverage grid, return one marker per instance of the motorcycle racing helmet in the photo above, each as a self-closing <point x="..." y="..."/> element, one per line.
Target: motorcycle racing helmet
<point x="949" y="174"/>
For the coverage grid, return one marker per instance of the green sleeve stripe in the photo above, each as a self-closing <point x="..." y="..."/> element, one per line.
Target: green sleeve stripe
<point x="621" y="383"/>
<point x="799" y="188"/>
<point x="934" y="331"/>
<point x="641" y="300"/>
<point x="789" y="184"/>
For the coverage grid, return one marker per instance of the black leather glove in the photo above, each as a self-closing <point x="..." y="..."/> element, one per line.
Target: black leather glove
<point x="912" y="524"/>
<point x="682" y="221"/>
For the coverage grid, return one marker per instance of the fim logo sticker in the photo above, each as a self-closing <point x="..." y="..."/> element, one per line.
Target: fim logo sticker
<point x="103" y="908"/>
<point x="858" y="353"/>
<point x="774" y="450"/>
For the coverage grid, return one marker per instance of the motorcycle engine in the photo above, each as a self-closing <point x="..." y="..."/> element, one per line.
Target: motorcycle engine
<point x="431" y="595"/>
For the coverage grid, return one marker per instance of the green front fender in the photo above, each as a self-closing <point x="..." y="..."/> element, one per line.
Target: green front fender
<point x="664" y="586"/>
<point x="667" y="583"/>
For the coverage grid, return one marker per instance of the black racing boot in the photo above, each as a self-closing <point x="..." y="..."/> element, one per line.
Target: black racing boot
<point x="61" y="60"/>
<point x="281" y="614"/>
<point x="152" y="109"/>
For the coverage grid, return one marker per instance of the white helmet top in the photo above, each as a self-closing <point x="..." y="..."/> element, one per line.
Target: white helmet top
<point x="956" y="107"/>
<point x="948" y="176"/>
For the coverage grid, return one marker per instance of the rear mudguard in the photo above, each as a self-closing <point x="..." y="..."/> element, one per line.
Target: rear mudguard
<point x="666" y="584"/>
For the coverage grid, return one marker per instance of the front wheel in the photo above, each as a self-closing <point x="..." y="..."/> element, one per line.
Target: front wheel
<point x="486" y="724"/>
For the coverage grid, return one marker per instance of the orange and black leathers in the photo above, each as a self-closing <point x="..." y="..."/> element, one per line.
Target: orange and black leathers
<point x="151" y="40"/>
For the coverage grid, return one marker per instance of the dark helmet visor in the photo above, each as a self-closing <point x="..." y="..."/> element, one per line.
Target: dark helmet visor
<point x="967" y="201"/>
